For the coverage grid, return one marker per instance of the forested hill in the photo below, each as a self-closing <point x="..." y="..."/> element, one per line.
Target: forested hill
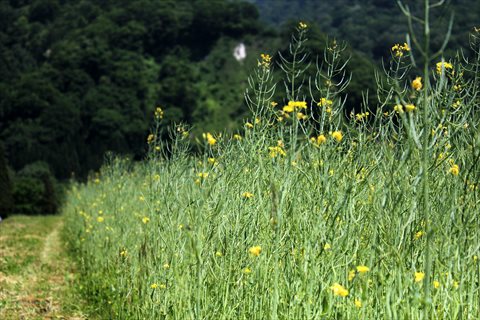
<point x="371" y="26"/>
<point x="82" y="77"/>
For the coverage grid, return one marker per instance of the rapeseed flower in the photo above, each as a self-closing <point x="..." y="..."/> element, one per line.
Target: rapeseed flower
<point x="237" y="137"/>
<point x="275" y="151"/>
<point x="398" y="108"/>
<point x="294" y="105"/>
<point x="419" y="276"/>
<point x="145" y="220"/>
<point x="154" y="286"/>
<point x="100" y="219"/>
<point x="324" y="102"/>
<point x="436" y="284"/>
<point x="255" y="251"/>
<point x="210" y="139"/>
<point x="454" y="169"/>
<point x="417" y="84"/>
<point x="358" y="303"/>
<point x="247" y="195"/>
<point x="321" y="139"/>
<point x="337" y="135"/>
<point x="362" y="269"/>
<point x="339" y="290"/>
<point x="301" y="116"/>
<point x="150" y="138"/>
<point x="399" y="50"/>
<point x="158" y="113"/>
<point x="443" y="66"/>
<point x="302" y="25"/>
<point x="410" y="107"/>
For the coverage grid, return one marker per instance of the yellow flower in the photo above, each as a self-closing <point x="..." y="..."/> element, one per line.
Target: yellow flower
<point x="255" y="251"/>
<point x="436" y="284"/>
<point x="275" y="151"/>
<point x="202" y="175"/>
<point x="454" y="169"/>
<point x="210" y="139"/>
<point x="302" y="25"/>
<point x="419" y="276"/>
<point x="124" y="253"/>
<point x="339" y="290"/>
<point x="417" y="84"/>
<point x="273" y="104"/>
<point x="351" y="275"/>
<point x="249" y="125"/>
<point x="237" y="137"/>
<point x="154" y="286"/>
<point x="150" y="138"/>
<point x="358" y="303"/>
<point x="265" y="60"/>
<point x="455" y="284"/>
<point x="247" y="195"/>
<point x="218" y="254"/>
<point x="145" y="220"/>
<point x="409" y="107"/>
<point x="166" y="266"/>
<point x="324" y="102"/>
<point x="212" y="161"/>
<point x="289" y="108"/>
<point x="158" y="113"/>
<point x="443" y="66"/>
<point x="327" y="246"/>
<point x="301" y="116"/>
<point x="321" y="139"/>
<point x="337" y="135"/>
<point x="294" y="105"/>
<point x="398" y="49"/>
<point x="419" y="234"/>
<point x="100" y="219"/>
<point x="362" y="269"/>
<point x="247" y="270"/>
<point x="398" y="108"/>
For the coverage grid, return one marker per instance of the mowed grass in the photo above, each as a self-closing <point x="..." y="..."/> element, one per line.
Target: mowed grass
<point x="307" y="215"/>
<point x="36" y="275"/>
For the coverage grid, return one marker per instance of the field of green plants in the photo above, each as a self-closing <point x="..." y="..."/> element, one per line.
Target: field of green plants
<point x="307" y="214"/>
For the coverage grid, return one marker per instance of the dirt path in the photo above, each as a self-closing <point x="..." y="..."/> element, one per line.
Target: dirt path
<point x="36" y="275"/>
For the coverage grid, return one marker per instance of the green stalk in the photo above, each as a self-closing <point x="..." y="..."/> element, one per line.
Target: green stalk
<point x="424" y="164"/>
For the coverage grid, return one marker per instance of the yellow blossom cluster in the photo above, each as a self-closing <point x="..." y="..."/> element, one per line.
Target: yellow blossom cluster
<point x="321" y="139"/>
<point x="302" y="25"/>
<point x="150" y="138"/>
<point x="265" y="61"/>
<point x="247" y="195"/>
<point x="417" y="84"/>
<point x="326" y="103"/>
<point x="276" y="151"/>
<point x="362" y="116"/>
<point x="255" y="251"/>
<point x="294" y="105"/>
<point x="339" y="290"/>
<point x="446" y="66"/>
<point x="398" y="49"/>
<point x="210" y="139"/>
<point x="337" y="135"/>
<point x="158" y="113"/>
<point x="409" y="107"/>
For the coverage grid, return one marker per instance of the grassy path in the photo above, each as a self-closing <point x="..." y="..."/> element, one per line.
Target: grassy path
<point x="36" y="275"/>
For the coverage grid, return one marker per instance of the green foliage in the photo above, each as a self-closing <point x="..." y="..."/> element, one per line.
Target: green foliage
<point x="35" y="190"/>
